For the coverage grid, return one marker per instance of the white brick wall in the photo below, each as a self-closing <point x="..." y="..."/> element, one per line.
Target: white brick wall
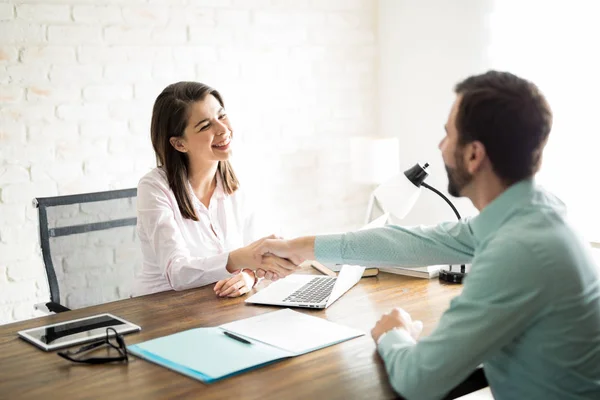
<point x="79" y="78"/>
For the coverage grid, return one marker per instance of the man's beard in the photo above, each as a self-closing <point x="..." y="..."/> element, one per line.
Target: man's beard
<point x="458" y="178"/>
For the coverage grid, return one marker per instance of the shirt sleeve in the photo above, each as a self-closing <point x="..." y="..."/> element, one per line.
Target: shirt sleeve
<point x="157" y="220"/>
<point x="447" y="243"/>
<point x="502" y="296"/>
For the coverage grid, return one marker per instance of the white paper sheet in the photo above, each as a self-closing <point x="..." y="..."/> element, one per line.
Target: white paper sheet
<point x="292" y="331"/>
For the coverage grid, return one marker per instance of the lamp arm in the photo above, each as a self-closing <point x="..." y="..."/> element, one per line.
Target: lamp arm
<point x="434" y="190"/>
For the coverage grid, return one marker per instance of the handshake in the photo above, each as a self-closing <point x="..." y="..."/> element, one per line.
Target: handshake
<point x="272" y="257"/>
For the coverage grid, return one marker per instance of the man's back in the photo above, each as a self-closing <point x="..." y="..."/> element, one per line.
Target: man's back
<point x="559" y="351"/>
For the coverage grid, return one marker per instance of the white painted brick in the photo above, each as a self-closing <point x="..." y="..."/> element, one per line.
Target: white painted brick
<point x="25" y="270"/>
<point x="23" y="154"/>
<point x="266" y="36"/>
<point x="12" y="132"/>
<point x="27" y="73"/>
<point x="81" y="151"/>
<point x="107" y="93"/>
<point x="127" y="72"/>
<point x="210" y="36"/>
<point x="28" y="111"/>
<point x="4" y="77"/>
<point x="90" y="130"/>
<point x="11" y="94"/>
<point x="107" y="165"/>
<point x="194" y="54"/>
<point x="193" y="15"/>
<point x="48" y="54"/>
<point x="148" y="53"/>
<point x="7" y="11"/>
<point x="123" y="111"/>
<point x="63" y="171"/>
<point x="23" y="193"/>
<point x="26" y="310"/>
<point x="146" y="15"/>
<point x="12" y="215"/>
<point x="285" y="18"/>
<point x="44" y="12"/>
<point x="215" y="73"/>
<point x="16" y="292"/>
<point x="235" y="17"/>
<point x="251" y="3"/>
<point x="19" y="33"/>
<point x="101" y="54"/>
<point x="54" y="93"/>
<point x="126" y="35"/>
<point x="343" y="19"/>
<point x="51" y="132"/>
<point x="149" y="91"/>
<point x="8" y="54"/>
<point x="13" y="174"/>
<point x="70" y="74"/>
<point x="126" y="144"/>
<point x="174" y="72"/>
<point x="169" y="35"/>
<point x="340" y="4"/>
<point x="139" y="128"/>
<point x="210" y="3"/>
<point x="82" y="112"/>
<point x="105" y="14"/>
<point x="74" y="34"/>
<point x="343" y="37"/>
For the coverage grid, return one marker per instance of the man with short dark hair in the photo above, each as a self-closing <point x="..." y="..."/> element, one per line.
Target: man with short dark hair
<point x="530" y="307"/>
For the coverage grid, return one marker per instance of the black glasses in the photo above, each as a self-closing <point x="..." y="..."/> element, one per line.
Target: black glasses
<point x="115" y="341"/>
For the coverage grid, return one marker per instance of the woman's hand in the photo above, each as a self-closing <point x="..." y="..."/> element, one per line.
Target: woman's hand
<point x="239" y="284"/>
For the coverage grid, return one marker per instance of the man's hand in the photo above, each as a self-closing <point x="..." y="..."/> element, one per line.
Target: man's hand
<point x="397" y="318"/>
<point x="251" y="257"/>
<point x="296" y="250"/>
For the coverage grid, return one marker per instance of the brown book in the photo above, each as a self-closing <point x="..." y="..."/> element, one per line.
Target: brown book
<point x="334" y="271"/>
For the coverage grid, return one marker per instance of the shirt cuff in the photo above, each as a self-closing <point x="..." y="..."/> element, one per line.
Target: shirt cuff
<point x="394" y="338"/>
<point x="328" y="248"/>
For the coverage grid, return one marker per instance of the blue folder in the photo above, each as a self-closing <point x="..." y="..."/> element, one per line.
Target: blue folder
<point x="207" y="354"/>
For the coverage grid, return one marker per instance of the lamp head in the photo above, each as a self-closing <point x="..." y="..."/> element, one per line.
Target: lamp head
<point x="417" y="174"/>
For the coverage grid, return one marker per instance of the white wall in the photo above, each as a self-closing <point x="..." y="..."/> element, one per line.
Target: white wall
<point x="426" y="47"/>
<point x="79" y="78"/>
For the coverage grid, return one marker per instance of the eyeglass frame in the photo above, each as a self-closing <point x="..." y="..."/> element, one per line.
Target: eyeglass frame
<point x="122" y="349"/>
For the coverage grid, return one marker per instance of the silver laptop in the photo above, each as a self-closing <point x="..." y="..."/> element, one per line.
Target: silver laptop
<point x="309" y="291"/>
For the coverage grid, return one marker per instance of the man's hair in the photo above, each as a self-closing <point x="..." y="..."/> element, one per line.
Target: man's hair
<point x="510" y="117"/>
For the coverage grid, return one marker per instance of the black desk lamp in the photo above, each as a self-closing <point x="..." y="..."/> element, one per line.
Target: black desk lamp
<point x="397" y="190"/>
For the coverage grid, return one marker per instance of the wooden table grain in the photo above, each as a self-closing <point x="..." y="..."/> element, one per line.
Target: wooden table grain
<point x="349" y="370"/>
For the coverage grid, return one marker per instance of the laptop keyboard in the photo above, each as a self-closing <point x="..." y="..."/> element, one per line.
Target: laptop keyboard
<point x="315" y="291"/>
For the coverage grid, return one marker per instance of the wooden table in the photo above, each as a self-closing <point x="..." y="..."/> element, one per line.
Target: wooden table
<point x="350" y="370"/>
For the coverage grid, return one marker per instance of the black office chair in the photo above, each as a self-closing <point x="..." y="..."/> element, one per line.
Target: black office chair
<point x="89" y="247"/>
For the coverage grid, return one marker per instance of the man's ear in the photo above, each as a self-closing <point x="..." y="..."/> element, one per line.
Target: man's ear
<point x="474" y="156"/>
<point x="177" y="144"/>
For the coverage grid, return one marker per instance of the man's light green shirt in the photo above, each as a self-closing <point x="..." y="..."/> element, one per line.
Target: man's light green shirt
<point x="529" y="310"/>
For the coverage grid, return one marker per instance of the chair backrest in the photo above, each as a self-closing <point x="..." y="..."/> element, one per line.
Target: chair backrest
<point x="89" y="246"/>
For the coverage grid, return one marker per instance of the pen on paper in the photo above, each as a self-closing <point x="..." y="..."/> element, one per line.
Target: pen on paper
<point x="235" y="337"/>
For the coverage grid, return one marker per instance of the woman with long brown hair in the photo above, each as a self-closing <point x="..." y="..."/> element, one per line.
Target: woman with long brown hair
<point x="195" y="224"/>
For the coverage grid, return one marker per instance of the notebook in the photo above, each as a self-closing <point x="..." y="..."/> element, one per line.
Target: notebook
<point x="212" y="354"/>
<point x="427" y="272"/>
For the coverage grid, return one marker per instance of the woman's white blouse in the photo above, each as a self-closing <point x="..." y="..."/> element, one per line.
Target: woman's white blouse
<point x="179" y="253"/>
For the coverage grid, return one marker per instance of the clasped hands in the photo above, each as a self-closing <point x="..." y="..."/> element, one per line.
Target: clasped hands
<point x="265" y="257"/>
